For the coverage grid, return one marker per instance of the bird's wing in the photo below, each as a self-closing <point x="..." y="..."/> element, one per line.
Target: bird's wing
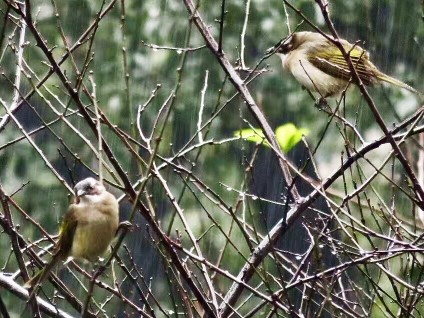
<point x="61" y="250"/>
<point x="66" y="232"/>
<point x="330" y="60"/>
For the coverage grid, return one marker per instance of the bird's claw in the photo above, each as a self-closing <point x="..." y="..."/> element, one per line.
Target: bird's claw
<point x="321" y="103"/>
<point x="126" y="226"/>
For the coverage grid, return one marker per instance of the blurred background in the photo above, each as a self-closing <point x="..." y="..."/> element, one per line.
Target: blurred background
<point x="140" y="45"/>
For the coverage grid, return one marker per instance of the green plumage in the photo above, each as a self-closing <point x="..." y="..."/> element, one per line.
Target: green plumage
<point x="329" y="59"/>
<point x="61" y="250"/>
<point x="319" y="65"/>
<point x="87" y="229"/>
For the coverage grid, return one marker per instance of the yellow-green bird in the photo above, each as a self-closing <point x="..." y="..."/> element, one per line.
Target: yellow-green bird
<point x="87" y="229"/>
<point x="319" y="65"/>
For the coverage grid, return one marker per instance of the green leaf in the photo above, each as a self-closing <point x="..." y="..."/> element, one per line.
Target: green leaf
<point x="287" y="135"/>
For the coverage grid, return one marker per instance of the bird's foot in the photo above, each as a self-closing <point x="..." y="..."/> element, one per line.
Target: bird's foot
<point x="126" y="226"/>
<point x="99" y="267"/>
<point x="98" y="263"/>
<point x="322" y="104"/>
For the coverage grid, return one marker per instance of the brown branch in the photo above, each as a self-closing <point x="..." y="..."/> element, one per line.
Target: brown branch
<point x="16" y="247"/>
<point x="64" y="57"/>
<point x="122" y="174"/>
<point x="241" y="87"/>
<point x="7" y="283"/>
<point x="380" y="121"/>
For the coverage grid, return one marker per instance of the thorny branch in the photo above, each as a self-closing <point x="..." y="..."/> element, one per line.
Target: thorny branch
<point x="216" y="245"/>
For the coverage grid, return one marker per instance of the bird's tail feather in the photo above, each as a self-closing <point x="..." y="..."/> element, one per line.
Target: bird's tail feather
<point x="394" y="81"/>
<point x="41" y="275"/>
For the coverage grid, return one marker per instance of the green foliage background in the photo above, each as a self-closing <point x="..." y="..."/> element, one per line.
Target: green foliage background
<point x="392" y="31"/>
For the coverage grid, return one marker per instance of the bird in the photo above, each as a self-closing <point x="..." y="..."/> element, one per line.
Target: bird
<point x="87" y="228"/>
<point x="319" y="65"/>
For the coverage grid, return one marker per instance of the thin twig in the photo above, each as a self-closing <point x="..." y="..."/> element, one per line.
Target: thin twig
<point x="202" y="105"/>
<point x="98" y="124"/>
<point x="243" y="34"/>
